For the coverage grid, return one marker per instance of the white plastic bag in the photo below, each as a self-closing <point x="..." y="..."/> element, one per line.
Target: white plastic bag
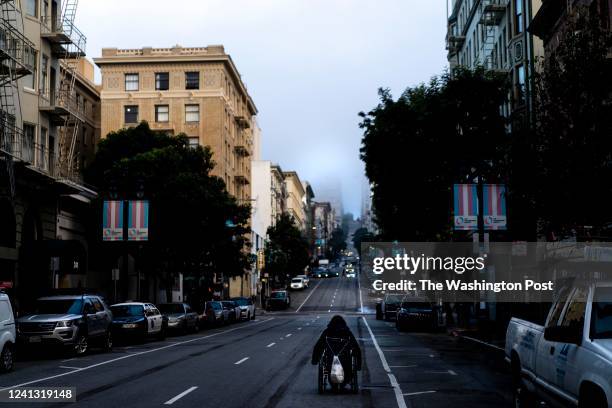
<point x="337" y="371"/>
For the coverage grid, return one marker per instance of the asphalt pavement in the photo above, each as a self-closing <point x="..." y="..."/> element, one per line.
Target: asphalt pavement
<point x="266" y="363"/>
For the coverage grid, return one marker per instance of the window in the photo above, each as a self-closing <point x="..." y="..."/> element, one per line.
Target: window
<point x="29" y="81"/>
<point x="518" y="17"/>
<point x="162" y="81"/>
<point x="192" y="80"/>
<point x="131" y="114"/>
<point x="520" y="84"/>
<point x="192" y="113"/>
<point x="97" y="305"/>
<point x="194" y="142"/>
<point x="44" y="66"/>
<point x="31" y="7"/>
<point x="43" y="148"/>
<point x="131" y="82"/>
<point x="574" y="314"/>
<point x="162" y="113"/>
<point x="29" y="134"/>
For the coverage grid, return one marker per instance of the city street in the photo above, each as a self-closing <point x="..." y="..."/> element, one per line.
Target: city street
<point x="266" y="363"/>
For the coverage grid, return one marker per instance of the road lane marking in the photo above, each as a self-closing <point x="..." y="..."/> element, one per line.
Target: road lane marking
<point x="419" y="393"/>
<point x="181" y="395"/>
<point x="270" y="345"/>
<point x="288" y="335"/>
<point x="401" y="403"/>
<point x="89" y="367"/>
<point x="299" y="328"/>
<point x="69" y="368"/>
<point x="404" y="366"/>
<point x="329" y="311"/>
<point x="241" y="361"/>
<point x="308" y="297"/>
<point x="360" y="299"/>
<point x="68" y="359"/>
<point x="451" y="372"/>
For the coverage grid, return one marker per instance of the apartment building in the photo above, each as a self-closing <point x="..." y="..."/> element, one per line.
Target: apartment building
<point x="195" y="91"/>
<point x="295" y="199"/>
<point x="493" y="34"/>
<point x="41" y="148"/>
<point x="323" y="226"/>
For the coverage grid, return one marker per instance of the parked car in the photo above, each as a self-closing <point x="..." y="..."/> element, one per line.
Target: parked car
<point x="138" y="321"/>
<point x="74" y="322"/>
<point x="214" y="314"/>
<point x="419" y="314"/>
<point x="387" y="308"/>
<point x="7" y="334"/>
<point x="297" y="283"/>
<point x="305" y="278"/>
<point x="247" y="307"/>
<point x="180" y="317"/>
<point x="568" y="361"/>
<point x="233" y="309"/>
<point x="279" y="299"/>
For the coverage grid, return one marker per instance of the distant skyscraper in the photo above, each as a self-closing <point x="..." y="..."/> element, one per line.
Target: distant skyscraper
<point x="331" y="191"/>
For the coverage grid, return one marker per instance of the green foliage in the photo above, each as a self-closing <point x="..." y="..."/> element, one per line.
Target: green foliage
<point x="287" y="250"/>
<point x="416" y="147"/>
<point x="337" y="242"/>
<point x="362" y="235"/>
<point x="573" y="137"/>
<point x="189" y="207"/>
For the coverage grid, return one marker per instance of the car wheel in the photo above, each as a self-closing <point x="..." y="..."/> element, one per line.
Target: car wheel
<point x="7" y="358"/>
<point x="108" y="341"/>
<point x="81" y="344"/>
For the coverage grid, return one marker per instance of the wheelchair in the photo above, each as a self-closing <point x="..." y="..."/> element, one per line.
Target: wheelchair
<point x="325" y="363"/>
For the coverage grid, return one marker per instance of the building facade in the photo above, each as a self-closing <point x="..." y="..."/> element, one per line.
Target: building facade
<point x="295" y="199"/>
<point x="42" y="116"/>
<point x="323" y="226"/>
<point x="196" y="91"/>
<point x="493" y="34"/>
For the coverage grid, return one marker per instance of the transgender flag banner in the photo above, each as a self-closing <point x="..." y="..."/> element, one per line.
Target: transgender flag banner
<point x="465" y="206"/>
<point x="138" y="220"/>
<point x="112" y="221"/>
<point x="494" y="206"/>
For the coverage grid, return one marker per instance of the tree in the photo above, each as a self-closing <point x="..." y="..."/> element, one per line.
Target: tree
<point x="337" y="243"/>
<point x="189" y="207"/>
<point x="416" y="147"/>
<point x="362" y="235"/>
<point x="287" y="250"/>
<point x="573" y="130"/>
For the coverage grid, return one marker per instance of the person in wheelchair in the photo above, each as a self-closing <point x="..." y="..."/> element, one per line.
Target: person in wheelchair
<point x="337" y="340"/>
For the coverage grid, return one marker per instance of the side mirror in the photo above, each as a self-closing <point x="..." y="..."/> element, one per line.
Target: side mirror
<point x="562" y="334"/>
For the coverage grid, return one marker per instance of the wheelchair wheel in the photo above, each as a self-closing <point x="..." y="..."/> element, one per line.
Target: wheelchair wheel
<point x="321" y="382"/>
<point x="355" y="379"/>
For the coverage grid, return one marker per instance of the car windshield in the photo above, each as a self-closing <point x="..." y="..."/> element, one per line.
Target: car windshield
<point x="296" y="280"/>
<point x="416" y="306"/>
<point x="127" y="310"/>
<point x="59" y="306"/>
<point x="601" y="317"/>
<point x="241" y="302"/>
<point x="277" y="295"/>
<point x="393" y="299"/>
<point x="171" y="308"/>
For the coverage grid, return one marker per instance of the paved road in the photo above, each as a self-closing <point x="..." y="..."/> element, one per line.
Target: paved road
<point x="266" y="363"/>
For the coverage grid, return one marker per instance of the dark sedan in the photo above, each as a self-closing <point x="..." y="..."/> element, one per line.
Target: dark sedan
<point x="180" y="317"/>
<point x="279" y="299"/>
<point x="418" y="314"/>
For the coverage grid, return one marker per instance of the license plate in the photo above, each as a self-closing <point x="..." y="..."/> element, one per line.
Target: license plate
<point x="35" y="339"/>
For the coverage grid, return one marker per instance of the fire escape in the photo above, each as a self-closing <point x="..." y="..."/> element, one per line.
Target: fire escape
<point x="491" y="14"/>
<point x="17" y="60"/>
<point x="64" y="108"/>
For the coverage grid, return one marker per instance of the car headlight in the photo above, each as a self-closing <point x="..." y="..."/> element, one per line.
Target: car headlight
<point x="64" y="323"/>
<point x="129" y="325"/>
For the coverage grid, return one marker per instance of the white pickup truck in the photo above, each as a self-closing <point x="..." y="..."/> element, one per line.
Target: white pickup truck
<point x="567" y="362"/>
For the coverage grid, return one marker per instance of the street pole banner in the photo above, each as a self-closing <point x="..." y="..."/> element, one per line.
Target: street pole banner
<point x="112" y="221"/>
<point x="494" y="206"/>
<point x="465" y="206"/>
<point x="138" y="220"/>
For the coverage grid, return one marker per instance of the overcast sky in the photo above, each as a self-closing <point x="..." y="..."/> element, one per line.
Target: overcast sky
<point x="310" y="65"/>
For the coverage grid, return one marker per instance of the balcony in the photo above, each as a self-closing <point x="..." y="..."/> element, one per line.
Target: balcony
<point x="66" y="40"/>
<point x="241" y="150"/>
<point x="243" y="122"/>
<point x="240" y="179"/>
<point x="493" y="11"/>
<point x="454" y="42"/>
<point x="61" y="104"/>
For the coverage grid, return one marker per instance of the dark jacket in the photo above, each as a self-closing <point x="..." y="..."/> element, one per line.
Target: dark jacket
<point x="337" y="328"/>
